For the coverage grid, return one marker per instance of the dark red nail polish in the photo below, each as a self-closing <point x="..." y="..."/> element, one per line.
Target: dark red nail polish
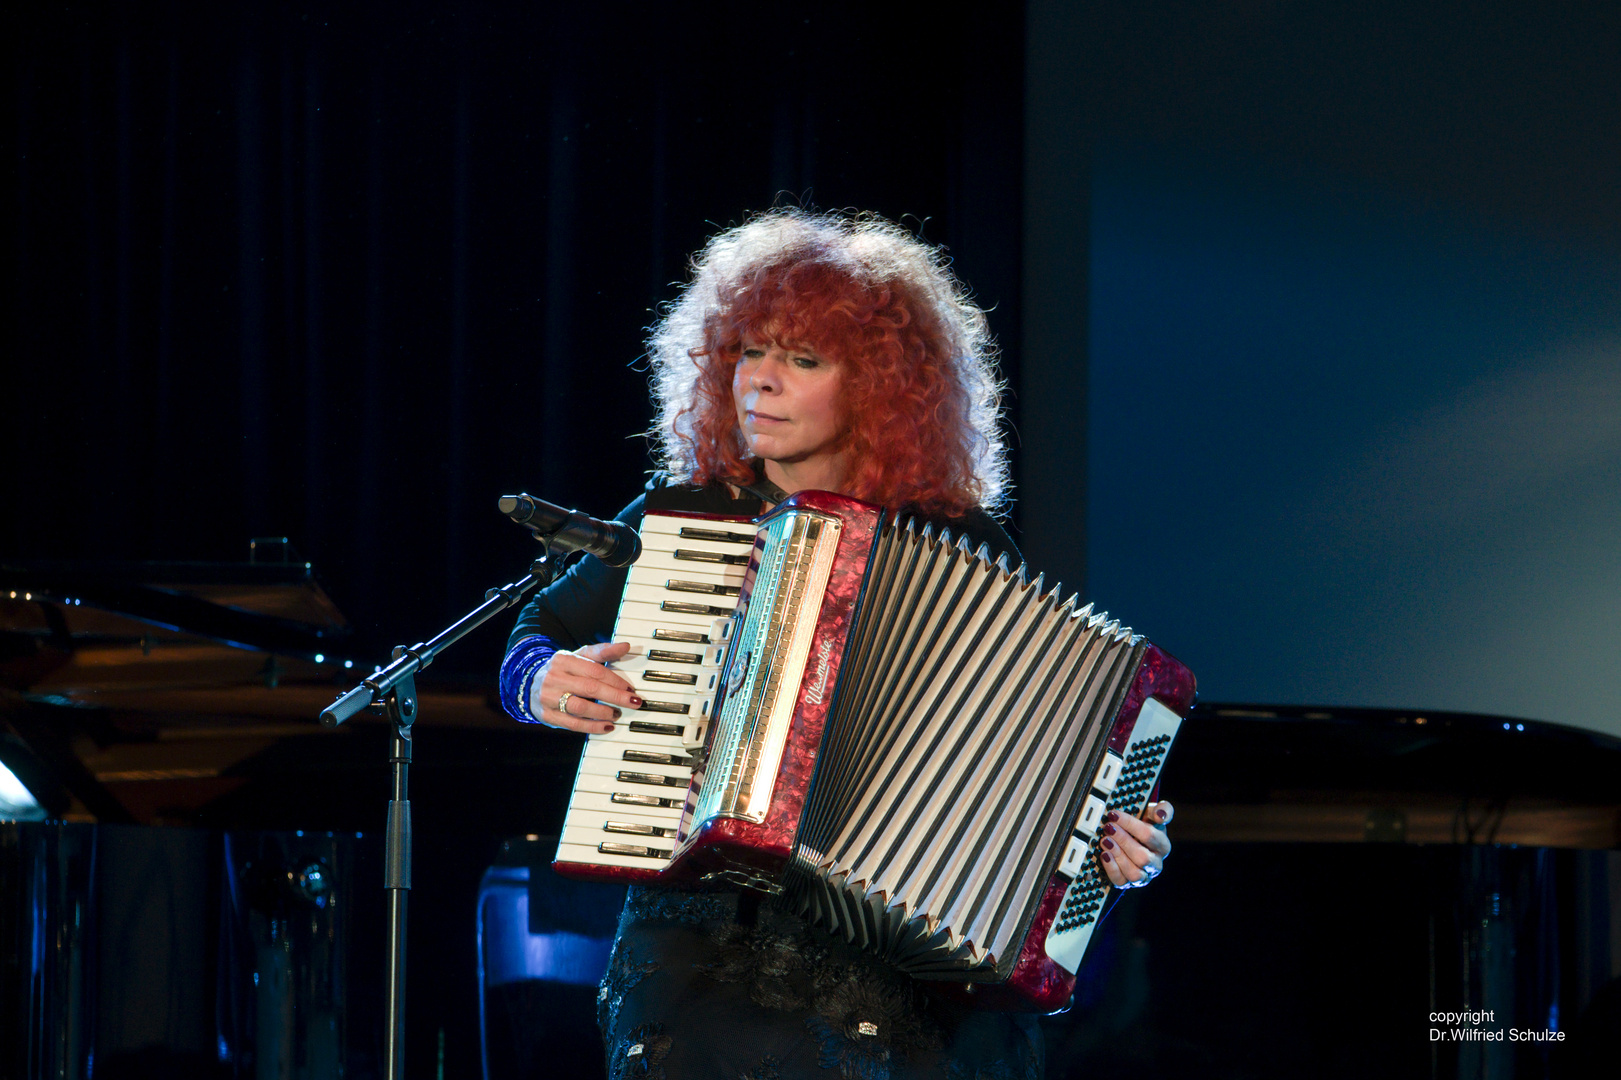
<point x="1108" y="844"/>
<point x="635" y="701"/>
<point x="1108" y="830"/>
<point x="1107" y="857"/>
<point x="1112" y="816"/>
<point x="1160" y="814"/>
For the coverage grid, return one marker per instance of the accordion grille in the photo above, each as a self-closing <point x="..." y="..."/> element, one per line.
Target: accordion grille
<point x="968" y="720"/>
<point x="766" y="663"/>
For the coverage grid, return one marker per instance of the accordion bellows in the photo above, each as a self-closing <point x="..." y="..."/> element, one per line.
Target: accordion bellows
<point x="955" y="759"/>
<point x="916" y="746"/>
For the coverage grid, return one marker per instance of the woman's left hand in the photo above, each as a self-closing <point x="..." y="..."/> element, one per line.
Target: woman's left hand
<point x="1133" y="850"/>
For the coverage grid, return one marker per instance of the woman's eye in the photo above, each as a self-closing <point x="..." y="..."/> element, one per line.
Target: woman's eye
<point x="805" y="361"/>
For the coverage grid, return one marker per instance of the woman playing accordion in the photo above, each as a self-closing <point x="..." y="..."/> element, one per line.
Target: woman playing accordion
<point x="809" y="352"/>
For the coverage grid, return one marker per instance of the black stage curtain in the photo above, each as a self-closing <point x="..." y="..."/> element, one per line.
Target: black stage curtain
<point x="348" y="272"/>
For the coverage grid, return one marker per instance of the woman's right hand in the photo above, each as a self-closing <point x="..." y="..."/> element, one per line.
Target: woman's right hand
<point x="592" y="691"/>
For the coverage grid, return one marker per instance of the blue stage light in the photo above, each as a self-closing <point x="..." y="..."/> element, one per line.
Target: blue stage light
<point x="511" y="952"/>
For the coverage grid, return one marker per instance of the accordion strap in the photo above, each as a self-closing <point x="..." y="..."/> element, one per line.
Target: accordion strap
<point x="764" y="489"/>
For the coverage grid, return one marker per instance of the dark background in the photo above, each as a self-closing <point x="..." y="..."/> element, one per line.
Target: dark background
<point x="346" y="273"/>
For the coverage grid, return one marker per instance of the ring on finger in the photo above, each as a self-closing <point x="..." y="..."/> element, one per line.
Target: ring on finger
<point x="562" y="702"/>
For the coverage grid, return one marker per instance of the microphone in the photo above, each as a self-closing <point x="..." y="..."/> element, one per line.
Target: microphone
<point x="614" y="542"/>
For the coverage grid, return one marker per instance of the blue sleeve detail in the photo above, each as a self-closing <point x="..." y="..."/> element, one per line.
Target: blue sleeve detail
<point x="523" y="662"/>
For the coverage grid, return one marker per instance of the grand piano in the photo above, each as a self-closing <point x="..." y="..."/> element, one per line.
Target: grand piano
<point x="202" y="890"/>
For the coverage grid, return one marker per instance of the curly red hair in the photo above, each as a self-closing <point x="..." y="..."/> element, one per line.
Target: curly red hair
<point x="916" y="388"/>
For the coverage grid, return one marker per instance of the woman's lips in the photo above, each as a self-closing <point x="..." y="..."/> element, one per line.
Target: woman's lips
<point x="765" y="417"/>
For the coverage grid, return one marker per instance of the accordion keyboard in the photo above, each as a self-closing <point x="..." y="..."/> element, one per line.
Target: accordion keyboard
<point x="1123" y="784"/>
<point x="675" y="613"/>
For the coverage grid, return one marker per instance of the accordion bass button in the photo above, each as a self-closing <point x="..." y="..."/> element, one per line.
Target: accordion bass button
<point x="1108" y="773"/>
<point x="1091" y="817"/>
<point x="1074" y="858"/>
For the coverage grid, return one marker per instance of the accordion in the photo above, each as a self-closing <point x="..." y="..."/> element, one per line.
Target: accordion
<point x="913" y="745"/>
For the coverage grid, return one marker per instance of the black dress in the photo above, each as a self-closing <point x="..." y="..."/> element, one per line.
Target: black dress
<point x="722" y="984"/>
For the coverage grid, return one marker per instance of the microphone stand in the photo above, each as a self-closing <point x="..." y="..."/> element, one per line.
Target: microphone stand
<point x="392" y="692"/>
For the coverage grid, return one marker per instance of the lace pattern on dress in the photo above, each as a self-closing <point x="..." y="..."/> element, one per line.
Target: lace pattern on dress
<point x="866" y="1021"/>
<point x="769" y="1068"/>
<point x="640" y="1054"/>
<point x="625" y="970"/>
<point x="651" y="904"/>
<point x="769" y="963"/>
<point x="862" y="1024"/>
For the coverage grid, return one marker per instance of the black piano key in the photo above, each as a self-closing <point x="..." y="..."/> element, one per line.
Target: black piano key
<point x="636" y="828"/>
<point x="694" y="555"/>
<point x="656" y="779"/>
<point x="674" y="585"/>
<point x="654" y="757"/>
<point x="686" y="637"/>
<point x="665" y="656"/>
<point x="625" y="798"/>
<point x="647" y="727"/>
<point x="682" y="608"/>
<point x="633" y="850"/>
<point x="666" y="706"/>
<point x="673" y="678"/>
<point x="717" y="536"/>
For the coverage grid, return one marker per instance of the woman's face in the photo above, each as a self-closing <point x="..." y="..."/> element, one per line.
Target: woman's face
<point x="788" y="409"/>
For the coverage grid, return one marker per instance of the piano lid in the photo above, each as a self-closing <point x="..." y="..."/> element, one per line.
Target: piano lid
<point x="1303" y="773"/>
<point x="267" y="606"/>
<point x="152" y="691"/>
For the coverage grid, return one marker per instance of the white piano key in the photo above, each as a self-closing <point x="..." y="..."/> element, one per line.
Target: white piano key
<point x="706" y="576"/>
<point x="582" y="826"/>
<point x="595" y="766"/>
<point x="622" y="735"/>
<point x="647" y="602"/>
<point x="592" y="805"/>
<point x="589" y="854"/>
<point x="609" y="782"/>
<point x="663" y="681"/>
<point x="657" y="598"/>
<point x="689" y="558"/>
<point x="688" y="733"/>
<point x="643" y="631"/>
<point x="637" y="754"/>
<point x="594" y="818"/>
<point x="670" y="525"/>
